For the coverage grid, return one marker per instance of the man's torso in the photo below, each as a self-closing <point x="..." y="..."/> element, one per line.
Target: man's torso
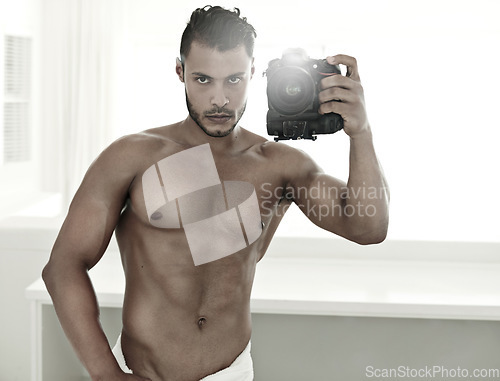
<point x="182" y="321"/>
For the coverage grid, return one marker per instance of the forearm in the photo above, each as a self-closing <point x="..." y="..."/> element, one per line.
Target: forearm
<point x="366" y="198"/>
<point x="77" y="309"/>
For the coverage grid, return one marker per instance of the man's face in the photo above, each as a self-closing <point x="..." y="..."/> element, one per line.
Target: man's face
<point x="216" y="87"/>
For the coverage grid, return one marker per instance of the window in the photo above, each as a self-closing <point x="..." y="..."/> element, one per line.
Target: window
<point x="19" y="122"/>
<point x="16" y="105"/>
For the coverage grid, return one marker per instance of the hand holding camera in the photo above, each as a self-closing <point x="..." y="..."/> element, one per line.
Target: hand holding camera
<point x="307" y="97"/>
<point x="344" y="95"/>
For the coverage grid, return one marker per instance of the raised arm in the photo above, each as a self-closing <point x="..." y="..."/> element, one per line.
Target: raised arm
<point x="82" y="241"/>
<point x="357" y="210"/>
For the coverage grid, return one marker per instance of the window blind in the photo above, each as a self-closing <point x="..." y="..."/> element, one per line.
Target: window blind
<point x="16" y="108"/>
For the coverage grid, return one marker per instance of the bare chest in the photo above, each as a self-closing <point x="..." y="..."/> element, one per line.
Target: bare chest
<point x="222" y="204"/>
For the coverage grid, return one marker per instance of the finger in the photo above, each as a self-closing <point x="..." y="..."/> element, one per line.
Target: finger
<point x="337" y="94"/>
<point x="336" y="107"/>
<point x="349" y="62"/>
<point x="337" y="81"/>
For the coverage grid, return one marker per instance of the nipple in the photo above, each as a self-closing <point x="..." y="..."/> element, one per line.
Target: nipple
<point x="201" y="322"/>
<point x="156" y="216"/>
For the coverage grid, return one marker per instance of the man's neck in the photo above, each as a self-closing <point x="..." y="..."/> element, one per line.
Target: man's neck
<point x="194" y="135"/>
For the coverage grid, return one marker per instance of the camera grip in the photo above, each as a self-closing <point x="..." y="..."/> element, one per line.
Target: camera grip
<point x="324" y="68"/>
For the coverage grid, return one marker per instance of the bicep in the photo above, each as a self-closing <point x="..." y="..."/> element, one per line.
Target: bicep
<point x="85" y="233"/>
<point x="93" y="214"/>
<point x="319" y="196"/>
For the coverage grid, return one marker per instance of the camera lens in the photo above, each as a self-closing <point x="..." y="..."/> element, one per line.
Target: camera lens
<point x="290" y="90"/>
<point x="293" y="89"/>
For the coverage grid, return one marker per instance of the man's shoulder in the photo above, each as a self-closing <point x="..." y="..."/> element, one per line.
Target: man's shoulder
<point x="282" y="152"/>
<point x="145" y="139"/>
<point x="265" y="146"/>
<point x="129" y="154"/>
<point x="137" y="144"/>
<point x="292" y="162"/>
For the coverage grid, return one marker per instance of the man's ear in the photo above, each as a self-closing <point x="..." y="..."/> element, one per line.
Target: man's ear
<point x="252" y="69"/>
<point x="179" y="69"/>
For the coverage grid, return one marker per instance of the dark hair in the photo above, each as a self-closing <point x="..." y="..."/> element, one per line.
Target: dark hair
<point x="218" y="28"/>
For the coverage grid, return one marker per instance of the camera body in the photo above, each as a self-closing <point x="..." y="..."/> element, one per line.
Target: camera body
<point x="293" y="84"/>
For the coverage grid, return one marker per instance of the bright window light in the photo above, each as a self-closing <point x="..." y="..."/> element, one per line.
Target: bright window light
<point x="431" y="79"/>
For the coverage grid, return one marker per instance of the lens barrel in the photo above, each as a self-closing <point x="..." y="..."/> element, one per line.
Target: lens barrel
<point x="291" y="90"/>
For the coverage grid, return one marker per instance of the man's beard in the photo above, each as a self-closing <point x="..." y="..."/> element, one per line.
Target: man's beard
<point x="216" y="110"/>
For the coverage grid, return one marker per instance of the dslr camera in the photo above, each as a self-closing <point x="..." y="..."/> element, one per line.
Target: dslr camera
<point x="293" y="84"/>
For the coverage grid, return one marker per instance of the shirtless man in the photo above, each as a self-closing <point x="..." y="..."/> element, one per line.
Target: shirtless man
<point x="183" y="320"/>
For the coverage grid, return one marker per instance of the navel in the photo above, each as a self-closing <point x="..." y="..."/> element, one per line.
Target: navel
<point x="201" y="322"/>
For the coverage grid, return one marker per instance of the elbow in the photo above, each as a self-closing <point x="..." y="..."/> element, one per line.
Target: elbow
<point x="59" y="273"/>
<point x="370" y="239"/>
<point x="370" y="236"/>
<point x="51" y="274"/>
<point x="365" y="228"/>
<point x="48" y="275"/>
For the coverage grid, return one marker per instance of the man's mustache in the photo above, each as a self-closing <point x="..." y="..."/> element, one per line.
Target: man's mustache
<point x="222" y="111"/>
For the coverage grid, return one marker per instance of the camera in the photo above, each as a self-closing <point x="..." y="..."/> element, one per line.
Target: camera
<point x="293" y="84"/>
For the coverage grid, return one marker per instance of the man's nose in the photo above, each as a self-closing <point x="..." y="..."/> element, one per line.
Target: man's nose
<point x="219" y="97"/>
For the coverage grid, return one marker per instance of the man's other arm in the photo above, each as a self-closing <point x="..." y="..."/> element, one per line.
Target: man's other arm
<point x="82" y="241"/>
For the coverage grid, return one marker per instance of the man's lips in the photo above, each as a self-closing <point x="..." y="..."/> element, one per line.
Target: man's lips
<point x="219" y="115"/>
<point x="218" y="118"/>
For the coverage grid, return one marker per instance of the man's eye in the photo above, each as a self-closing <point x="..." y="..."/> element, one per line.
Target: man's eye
<point x="234" y="80"/>
<point x="202" y="79"/>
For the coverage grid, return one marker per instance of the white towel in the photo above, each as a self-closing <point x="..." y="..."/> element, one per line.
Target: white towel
<point x="241" y="369"/>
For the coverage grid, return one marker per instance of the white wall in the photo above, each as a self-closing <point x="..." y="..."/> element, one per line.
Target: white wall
<point x="430" y="73"/>
<point x="325" y="348"/>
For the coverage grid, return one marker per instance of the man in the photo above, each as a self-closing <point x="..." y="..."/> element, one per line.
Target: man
<point x="195" y="205"/>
